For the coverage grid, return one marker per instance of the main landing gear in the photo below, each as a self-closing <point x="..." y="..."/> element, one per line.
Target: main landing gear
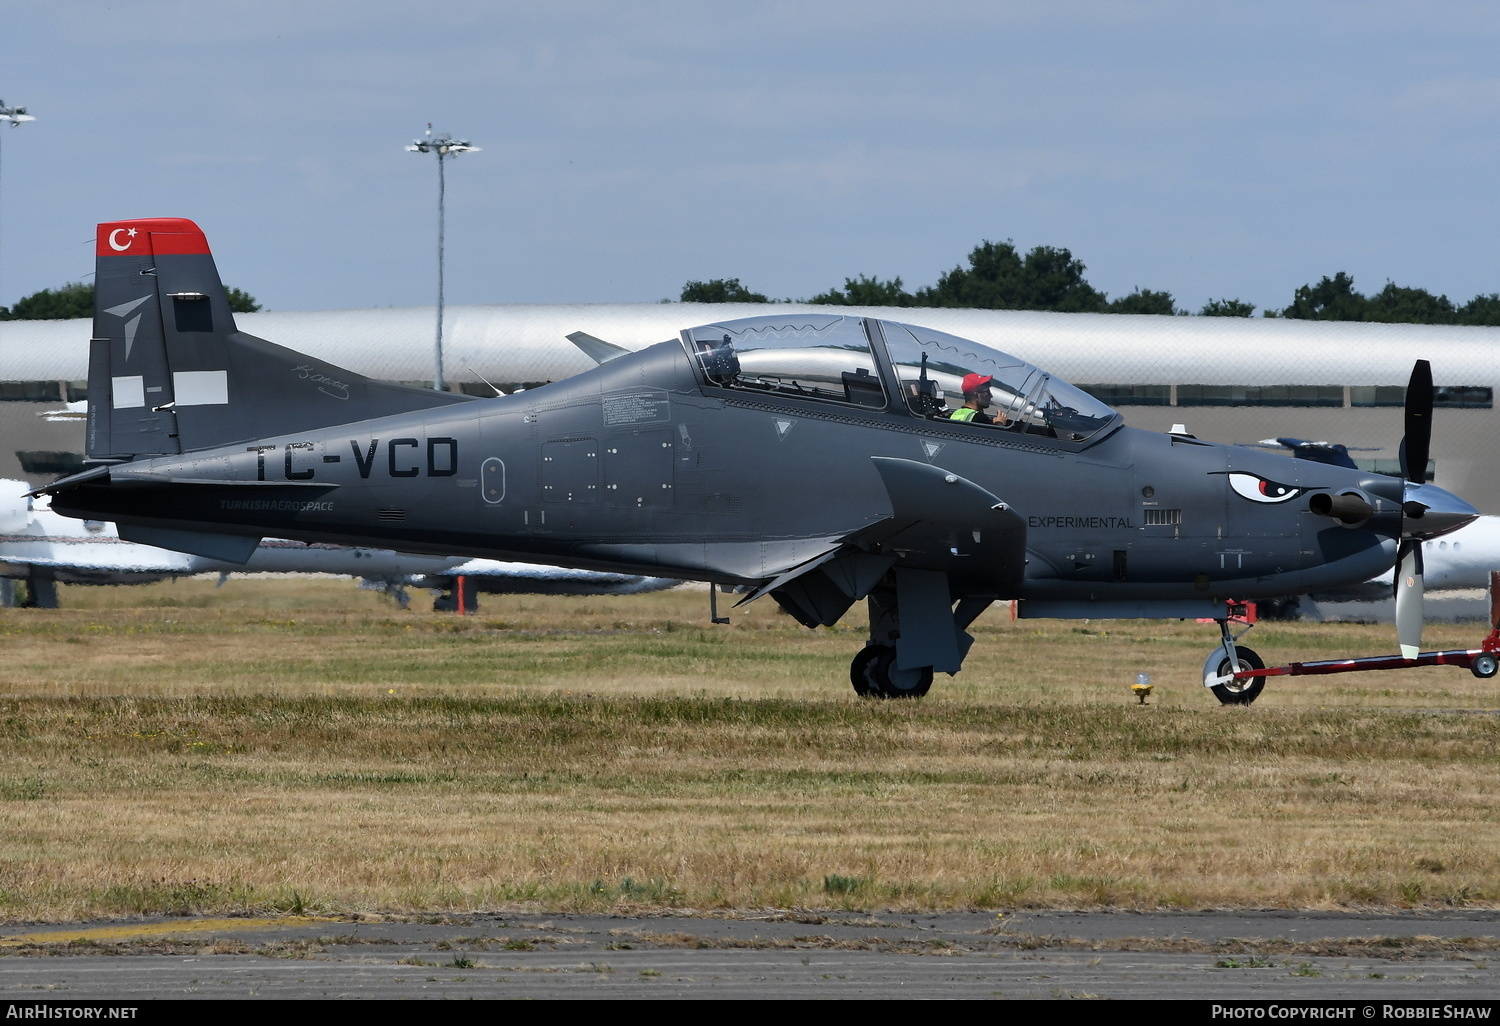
<point x="874" y="675"/>
<point x="1226" y="660"/>
<point x="874" y="672"/>
<point x="916" y="630"/>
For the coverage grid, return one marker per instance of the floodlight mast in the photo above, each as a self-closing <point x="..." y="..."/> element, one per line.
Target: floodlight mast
<point x="16" y="116"/>
<point x="444" y="146"/>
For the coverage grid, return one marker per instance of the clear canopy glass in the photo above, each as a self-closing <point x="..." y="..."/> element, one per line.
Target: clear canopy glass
<point x="829" y="357"/>
<point x="817" y="356"/>
<point x="931" y="367"/>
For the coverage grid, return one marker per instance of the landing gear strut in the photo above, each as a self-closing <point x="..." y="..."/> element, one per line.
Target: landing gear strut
<point x="913" y="620"/>
<point x="1226" y="660"/>
<point x="41" y="591"/>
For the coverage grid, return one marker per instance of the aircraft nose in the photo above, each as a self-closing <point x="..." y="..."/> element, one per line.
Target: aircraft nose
<point x="1429" y="511"/>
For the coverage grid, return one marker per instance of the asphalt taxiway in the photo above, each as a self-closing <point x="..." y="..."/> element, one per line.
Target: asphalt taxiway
<point x="1450" y="957"/>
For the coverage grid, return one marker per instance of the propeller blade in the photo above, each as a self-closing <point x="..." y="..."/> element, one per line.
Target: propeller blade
<point x="1409" y="598"/>
<point x="1418" y="441"/>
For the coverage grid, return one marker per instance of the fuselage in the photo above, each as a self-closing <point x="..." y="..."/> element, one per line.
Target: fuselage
<point x="646" y="464"/>
<point x="70" y="551"/>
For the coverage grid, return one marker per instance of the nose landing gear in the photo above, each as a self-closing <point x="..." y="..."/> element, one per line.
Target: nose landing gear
<point x="1233" y="691"/>
<point x="1228" y="659"/>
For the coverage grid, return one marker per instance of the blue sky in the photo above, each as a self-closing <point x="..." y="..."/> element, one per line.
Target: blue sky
<point x="1211" y="150"/>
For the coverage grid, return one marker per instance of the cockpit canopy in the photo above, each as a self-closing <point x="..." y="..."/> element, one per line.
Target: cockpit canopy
<point x="833" y="358"/>
<point x="811" y="355"/>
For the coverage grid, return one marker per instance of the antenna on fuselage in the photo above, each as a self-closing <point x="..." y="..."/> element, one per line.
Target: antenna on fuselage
<point x="486" y="380"/>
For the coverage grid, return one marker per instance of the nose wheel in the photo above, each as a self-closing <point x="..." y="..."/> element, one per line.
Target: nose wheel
<point x="874" y="675"/>
<point x="1234" y="692"/>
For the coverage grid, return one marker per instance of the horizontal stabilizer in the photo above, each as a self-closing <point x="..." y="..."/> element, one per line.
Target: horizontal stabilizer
<point x="231" y="548"/>
<point x="129" y="474"/>
<point x="100" y="474"/>
<point x="597" y="349"/>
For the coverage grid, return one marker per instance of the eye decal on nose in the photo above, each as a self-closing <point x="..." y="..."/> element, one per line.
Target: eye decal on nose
<point x="1261" y="489"/>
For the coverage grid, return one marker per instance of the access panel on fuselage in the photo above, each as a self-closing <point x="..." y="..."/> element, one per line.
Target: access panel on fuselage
<point x="639" y="468"/>
<point x="570" y="471"/>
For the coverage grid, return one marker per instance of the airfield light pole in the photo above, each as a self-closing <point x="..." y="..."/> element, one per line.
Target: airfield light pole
<point x="16" y="116"/>
<point x="444" y="146"/>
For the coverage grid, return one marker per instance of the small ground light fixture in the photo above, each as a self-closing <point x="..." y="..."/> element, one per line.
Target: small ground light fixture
<point x="1142" y="687"/>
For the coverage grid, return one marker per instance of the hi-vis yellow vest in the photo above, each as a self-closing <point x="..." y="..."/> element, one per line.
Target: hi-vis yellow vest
<point x="962" y="413"/>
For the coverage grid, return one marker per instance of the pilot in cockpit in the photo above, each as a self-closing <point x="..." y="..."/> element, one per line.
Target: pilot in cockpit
<point x="977" y="399"/>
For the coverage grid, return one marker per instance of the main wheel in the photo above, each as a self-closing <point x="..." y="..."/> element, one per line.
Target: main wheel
<point x="1484" y="666"/>
<point x="862" y="672"/>
<point x="874" y="675"/>
<point x="1236" y="692"/>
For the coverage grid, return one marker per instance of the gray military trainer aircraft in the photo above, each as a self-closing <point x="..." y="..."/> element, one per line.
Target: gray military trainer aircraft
<point x="818" y="459"/>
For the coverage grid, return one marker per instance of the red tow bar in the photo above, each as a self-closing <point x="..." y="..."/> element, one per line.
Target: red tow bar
<point x="1488" y="654"/>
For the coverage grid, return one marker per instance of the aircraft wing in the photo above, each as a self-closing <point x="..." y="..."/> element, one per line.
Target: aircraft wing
<point x="939" y="522"/>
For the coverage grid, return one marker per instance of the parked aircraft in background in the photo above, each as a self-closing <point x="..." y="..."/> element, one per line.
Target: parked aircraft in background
<point x="808" y="456"/>
<point x="45" y="549"/>
<point x="1458" y="561"/>
<point x="1335" y="454"/>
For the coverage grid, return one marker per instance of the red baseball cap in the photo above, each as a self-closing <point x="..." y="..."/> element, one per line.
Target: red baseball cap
<point x="974" y="382"/>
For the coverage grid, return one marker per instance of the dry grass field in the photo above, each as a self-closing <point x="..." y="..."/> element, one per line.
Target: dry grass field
<point x="300" y="745"/>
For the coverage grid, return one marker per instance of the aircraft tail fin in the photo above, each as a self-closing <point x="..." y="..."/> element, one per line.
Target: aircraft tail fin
<point x="170" y="372"/>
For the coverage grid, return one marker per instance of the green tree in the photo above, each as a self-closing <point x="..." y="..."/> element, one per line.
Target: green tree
<point x="1226" y="308"/>
<point x="994" y="280"/>
<point x="241" y="301"/>
<point x="1144" y="301"/>
<point x="1057" y="282"/>
<point x="1335" y="299"/>
<point x="998" y="278"/>
<point x="1332" y="299"/>
<point x="1398" y="305"/>
<point x="864" y="291"/>
<point x="720" y="290"/>
<point x="76" y="299"/>
<point x="1481" y="310"/>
